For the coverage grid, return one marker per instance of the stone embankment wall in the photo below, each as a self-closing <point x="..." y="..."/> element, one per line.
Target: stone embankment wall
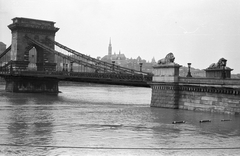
<point x="198" y="94"/>
<point x="212" y="95"/>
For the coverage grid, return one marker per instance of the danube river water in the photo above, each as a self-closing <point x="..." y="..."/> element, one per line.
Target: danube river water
<point x="91" y="119"/>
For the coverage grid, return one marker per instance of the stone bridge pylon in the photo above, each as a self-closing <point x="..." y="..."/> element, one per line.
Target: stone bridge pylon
<point x="39" y="30"/>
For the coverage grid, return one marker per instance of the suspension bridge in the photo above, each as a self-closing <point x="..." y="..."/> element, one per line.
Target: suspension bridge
<point x="49" y="66"/>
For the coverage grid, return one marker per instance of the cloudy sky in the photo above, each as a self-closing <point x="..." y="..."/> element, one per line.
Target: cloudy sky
<point x="196" y="31"/>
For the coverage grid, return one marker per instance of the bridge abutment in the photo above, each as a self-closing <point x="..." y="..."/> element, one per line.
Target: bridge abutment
<point x="165" y="91"/>
<point x="209" y="94"/>
<point x="31" y="85"/>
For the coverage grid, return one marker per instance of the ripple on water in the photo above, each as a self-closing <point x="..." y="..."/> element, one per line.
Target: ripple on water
<point x="107" y="116"/>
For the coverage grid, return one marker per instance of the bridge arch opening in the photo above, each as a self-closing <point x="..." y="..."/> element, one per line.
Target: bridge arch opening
<point x="36" y="59"/>
<point x="32" y="58"/>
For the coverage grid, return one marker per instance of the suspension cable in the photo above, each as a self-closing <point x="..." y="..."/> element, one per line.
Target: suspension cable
<point x="87" y="64"/>
<point x="106" y="64"/>
<point x="5" y="51"/>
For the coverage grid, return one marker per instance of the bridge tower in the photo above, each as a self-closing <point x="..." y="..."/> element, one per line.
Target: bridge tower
<point x="39" y="30"/>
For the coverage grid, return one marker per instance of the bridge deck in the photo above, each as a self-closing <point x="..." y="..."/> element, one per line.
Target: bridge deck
<point x="103" y="78"/>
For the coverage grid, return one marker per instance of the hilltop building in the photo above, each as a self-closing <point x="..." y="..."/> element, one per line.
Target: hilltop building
<point x="153" y="61"/>
<point x="118" y="58"/>
<point x="121" y="59"/>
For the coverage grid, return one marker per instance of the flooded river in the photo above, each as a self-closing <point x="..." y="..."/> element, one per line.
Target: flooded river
<point x="91" y="119"/>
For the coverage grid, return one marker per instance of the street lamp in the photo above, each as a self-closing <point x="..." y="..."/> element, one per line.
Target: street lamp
<point x="140" y="66"/>
<point x="189" y="73"/>
<point x="66" y="67"/>
<point x="11" y="67"/>
<point x="113" y="63"/>
<point x="63" y="67"/>
<point x="71" y="64"/>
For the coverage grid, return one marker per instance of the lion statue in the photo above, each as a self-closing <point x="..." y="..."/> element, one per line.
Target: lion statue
<point x="220" y="64"/>
<point x="168" y="59"/>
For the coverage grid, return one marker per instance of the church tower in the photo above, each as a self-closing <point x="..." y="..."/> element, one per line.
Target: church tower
<point x="110" y="49"/>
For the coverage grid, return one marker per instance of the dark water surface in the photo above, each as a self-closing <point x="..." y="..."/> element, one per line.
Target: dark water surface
<point x="90" y="119"/>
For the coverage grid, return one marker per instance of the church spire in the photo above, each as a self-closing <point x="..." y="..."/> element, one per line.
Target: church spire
<point x="110" y="48"/>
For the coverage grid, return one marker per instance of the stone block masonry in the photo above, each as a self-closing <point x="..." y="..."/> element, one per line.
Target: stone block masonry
<point x="206" y="98"/>
<point x="212" y="97"/>
<point x="165" y="95"/>
<point x="197" y="98"/>
<point x="31" y="85"/>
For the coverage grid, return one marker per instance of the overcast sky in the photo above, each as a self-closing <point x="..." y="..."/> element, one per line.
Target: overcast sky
<point x="196" y="31"/>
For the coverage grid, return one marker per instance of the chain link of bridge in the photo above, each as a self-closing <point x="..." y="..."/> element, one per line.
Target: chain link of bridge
<point x="53" y="65"/>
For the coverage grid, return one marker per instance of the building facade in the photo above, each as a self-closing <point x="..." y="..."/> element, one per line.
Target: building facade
<point x="120" y="59"/>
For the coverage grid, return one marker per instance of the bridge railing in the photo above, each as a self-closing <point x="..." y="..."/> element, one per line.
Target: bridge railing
<point x="209" y="81"/>
<point x="61" y="75"/>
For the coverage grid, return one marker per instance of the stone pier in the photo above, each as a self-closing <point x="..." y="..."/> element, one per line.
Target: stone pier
<point x="40" y="31"/>
<point x="165" y="91"/>
<point x="31" y="85"/>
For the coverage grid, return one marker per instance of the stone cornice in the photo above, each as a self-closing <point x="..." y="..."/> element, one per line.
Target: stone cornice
<point x="170" y="65"/>
<point x="218" y="69"/>
<point x="17" y="26"/>
<point x="195" y="88"/>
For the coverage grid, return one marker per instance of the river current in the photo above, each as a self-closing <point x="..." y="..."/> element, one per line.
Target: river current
<point x="92" y="119"/>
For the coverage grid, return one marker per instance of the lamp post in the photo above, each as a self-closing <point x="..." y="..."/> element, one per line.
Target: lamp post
<point x="63" y="67"/>
<point x="140" y="66"/>
<point x="11" y="67"/>
<point x="113" y="63"/>
<point x="71" y="64"/>
<point x="66" y="67"/>
<point x="189" y="73"/>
